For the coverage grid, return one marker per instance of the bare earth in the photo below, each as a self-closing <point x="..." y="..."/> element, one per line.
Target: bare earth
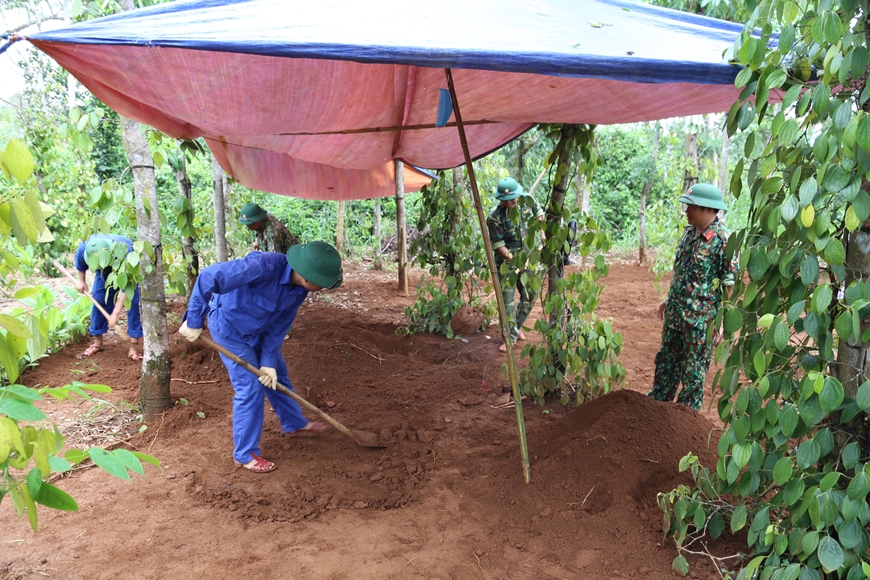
<point x="445" y="499"/>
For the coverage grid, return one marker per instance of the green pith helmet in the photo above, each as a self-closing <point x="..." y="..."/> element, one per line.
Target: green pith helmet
<point x="317" y="262"/>
<point x="704" y="195"/>
<point x="95" y="244"/>
<point x="508" y="189"/>
<point x="251" y="213"/>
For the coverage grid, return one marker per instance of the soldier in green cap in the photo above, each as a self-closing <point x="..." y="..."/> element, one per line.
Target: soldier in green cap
<point x="701" y="268"/>
<point x="272" y="235"/>
<point x="251" y="304"/>
<point x="508" y="228"/>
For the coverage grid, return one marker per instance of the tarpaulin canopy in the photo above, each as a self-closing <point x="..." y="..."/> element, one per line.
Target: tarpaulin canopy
<point x="316" y="99"/>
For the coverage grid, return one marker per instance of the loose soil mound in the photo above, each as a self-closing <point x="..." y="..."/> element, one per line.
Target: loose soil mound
<point x="444" y="499"/>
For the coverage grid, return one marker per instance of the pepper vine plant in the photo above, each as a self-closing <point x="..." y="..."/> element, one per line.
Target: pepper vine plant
<point x="793" y="391"/>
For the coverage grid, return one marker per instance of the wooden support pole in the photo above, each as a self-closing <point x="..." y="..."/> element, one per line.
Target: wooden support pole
<point x="490" y="258"/>
<point x="401" y="228"/>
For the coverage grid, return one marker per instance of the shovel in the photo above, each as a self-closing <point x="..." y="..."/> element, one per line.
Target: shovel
<point x="121" y="332"/>
<point x="362" y="438"/>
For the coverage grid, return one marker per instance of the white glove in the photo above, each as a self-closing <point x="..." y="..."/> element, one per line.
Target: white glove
<point x="190" y="334"/>
<point x="269" y="377"/>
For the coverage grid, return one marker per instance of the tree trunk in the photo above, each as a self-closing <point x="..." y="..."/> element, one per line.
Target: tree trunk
<point x="154" y="385"/>
<point x="557" y="201"/>
<point x="723" y="161"/>
<point x="690" y="177"/>
<point x="522" y="149"/>
<point x="853" y="356"/>
<point x="641" y="226"/>
<point x="188" y="251"/>
<point x="339" y="226"/>
<point x="220" y="211"/>
<point x="451" y="258"/>
<point x="401" y="228"/>
<point x="376" y="262"/>
<point x="583" y="200"/>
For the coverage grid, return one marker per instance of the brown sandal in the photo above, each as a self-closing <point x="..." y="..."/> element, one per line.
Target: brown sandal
<point x="257" y="464"/>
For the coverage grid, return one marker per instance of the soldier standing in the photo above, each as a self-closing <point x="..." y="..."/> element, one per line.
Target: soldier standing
<point x="507" y="238"/>
<point x="694" y="298"/>
<point x="272" y="235"/>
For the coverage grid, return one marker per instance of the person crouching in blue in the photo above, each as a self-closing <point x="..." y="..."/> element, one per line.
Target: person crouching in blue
<point x="251" y="304"/>
<point x="111" y="299"/>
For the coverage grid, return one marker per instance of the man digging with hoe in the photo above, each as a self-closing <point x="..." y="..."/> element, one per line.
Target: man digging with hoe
<point x="251" y="304"/>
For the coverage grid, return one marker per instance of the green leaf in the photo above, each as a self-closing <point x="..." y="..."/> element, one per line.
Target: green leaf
<point x="23" y="224"/>
<point x="810" y="270"/>
<point x="830" y="554"/>
<point x="758" y="263"/>
<point x="738" y="518"/>
<point x="861" y="203"/>
<point x="20" y="410"/>
<point x="732" y="320"/>
<point x="850" y="534"/>
<point x="18" y="160"/>
<point x="835" y="253"/>
<point x="808" y="191"/>
<point x="55" y="498"/>
<point x="741" y="453"/>
<point x="822" y="297"/>
<point x="807" y="453"/>
<point x="15" y="326"/>
<point x="788" y="419"/>
<point x="782" y="471"/>
<point x="680" y="565"/>
<point x="129" y="460"/>
<point x="781" y="336"/>
<point x="859" y="487"/>
<point x="789" y="208"/>
<point x="829" y="481"/>
<point x="863" y="398"/>
<point x="108" y="462"/>
<point x="832" y="395"/>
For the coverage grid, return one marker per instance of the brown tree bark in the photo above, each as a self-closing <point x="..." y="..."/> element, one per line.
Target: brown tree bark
<point x="377" y="264"/>
<point x="188" y="251"/>
<point x="401" y="228"/>
<point x="339" y="227"/>
<point x="555" y="269"/>
<point x="220" y="211"/>
<point x="154" y="384"/>
<point x="690" y="177"/>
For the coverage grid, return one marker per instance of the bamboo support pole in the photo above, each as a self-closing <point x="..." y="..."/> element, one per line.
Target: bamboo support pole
<point x="490" y="257"/>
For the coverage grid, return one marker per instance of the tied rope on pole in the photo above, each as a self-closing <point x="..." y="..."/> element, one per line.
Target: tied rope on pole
<point x="502" y="315"/>
<point x="10" y="40"/>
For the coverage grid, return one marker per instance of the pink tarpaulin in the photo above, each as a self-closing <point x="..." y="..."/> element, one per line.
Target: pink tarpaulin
<point x="330" y="128"/>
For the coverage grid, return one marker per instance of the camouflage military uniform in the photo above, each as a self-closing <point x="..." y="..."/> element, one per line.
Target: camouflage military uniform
<point x="273" y="236"/>
<point x="693" y="301"/>
<point x="503" y="232"/>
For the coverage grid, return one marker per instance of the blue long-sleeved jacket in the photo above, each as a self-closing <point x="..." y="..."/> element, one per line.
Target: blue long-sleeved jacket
<point x="252" y="300"/>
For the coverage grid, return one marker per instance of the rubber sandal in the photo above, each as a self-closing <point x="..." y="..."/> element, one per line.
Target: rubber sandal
<point x="502" y="347"/>
<point x="136" y="356"/>
<point x="260" y="465"/>
<point x="312" y="427"/>
<point x="521" y="335"/>
<point x="92" y="350"/>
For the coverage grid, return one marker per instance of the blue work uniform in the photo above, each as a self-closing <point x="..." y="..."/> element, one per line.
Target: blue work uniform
<point x="99" y="324"/>
<point x="251" y="304"/>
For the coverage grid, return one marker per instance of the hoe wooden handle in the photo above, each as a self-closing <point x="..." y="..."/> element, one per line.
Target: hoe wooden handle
<point x="117" y="328"/>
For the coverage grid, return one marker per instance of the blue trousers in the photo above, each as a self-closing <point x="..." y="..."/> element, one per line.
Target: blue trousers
<point x="249" y="400"/>
<point x="99" y="324"/>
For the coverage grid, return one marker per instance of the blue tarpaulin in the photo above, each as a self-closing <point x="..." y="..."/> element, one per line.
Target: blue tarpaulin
<point x="316" y="99"/>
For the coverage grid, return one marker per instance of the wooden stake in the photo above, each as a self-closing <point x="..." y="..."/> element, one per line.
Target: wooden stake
<point x="502" y="315"/>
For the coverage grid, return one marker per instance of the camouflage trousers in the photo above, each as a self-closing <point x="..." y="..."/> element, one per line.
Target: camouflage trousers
<point x="683" y="358"/>
<point x="517" y="314"/>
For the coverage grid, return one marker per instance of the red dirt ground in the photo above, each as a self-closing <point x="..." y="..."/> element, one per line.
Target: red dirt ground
<point x="445" y="499"/>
